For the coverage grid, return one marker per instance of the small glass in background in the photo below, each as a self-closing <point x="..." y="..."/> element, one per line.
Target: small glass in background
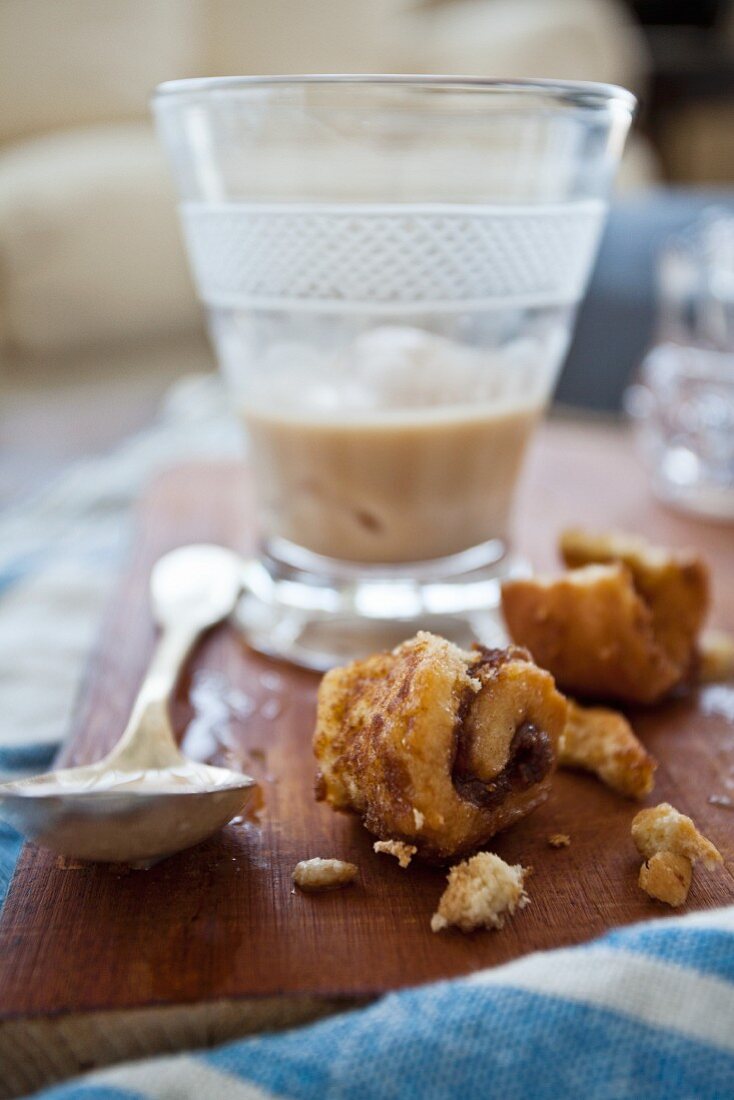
<point x="682" y="404"/>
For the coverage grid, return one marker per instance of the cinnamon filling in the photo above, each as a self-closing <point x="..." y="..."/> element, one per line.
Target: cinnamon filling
<point x="530" y="759"/>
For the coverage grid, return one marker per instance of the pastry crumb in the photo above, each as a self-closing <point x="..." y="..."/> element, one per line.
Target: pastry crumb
<point x="559" y="840"/>
<point x="317" y="874"/>
<point x="667" y="877"/>
<point x="418" y="818"/>
<point x="480" y="891"/>
<point x="715" y="662"/>
<point x="663" y="829"/>
<point x="67" y="863"/>
<point x="602" y="741"/>
<point x="403" y="852"/>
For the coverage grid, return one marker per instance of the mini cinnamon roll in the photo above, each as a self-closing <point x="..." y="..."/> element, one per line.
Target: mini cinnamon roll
<point x="593" y="632"/>
<point x="622" y="623"/>
<point x="435" y="746"/>
<point x="673" y="584"/>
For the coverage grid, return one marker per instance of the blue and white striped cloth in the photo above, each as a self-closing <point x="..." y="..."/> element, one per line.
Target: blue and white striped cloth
<point x="646" y="1011"/>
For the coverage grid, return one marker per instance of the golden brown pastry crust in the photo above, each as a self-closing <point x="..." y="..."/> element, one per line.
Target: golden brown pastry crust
<point x="667" y="877"/>
<point x="437" y="747"/>
<point x="603" y="742"/>
<point x="674" y="585"/>
<point x="622" y="624"/>
<point x="664" y="829"/>
<point x="593" y="631"/>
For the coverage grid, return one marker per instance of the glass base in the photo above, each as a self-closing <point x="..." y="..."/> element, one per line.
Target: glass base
<point x="318" y="612"/>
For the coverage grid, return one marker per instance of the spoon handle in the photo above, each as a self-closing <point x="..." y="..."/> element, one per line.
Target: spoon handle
<point x="148" y="738"/>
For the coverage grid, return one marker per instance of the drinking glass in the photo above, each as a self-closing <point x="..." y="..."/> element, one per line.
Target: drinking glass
<point x="682" y="402"/>
<point x="390" y="268"/>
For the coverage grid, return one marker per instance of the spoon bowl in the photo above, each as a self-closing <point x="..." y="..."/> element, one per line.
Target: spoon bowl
<point x="144" y="800"/>
<point x="139" y="818"/>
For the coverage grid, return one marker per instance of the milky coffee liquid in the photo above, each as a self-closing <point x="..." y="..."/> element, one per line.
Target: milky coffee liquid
<point x="398" y="489"/>
<point x="405" y="450"/>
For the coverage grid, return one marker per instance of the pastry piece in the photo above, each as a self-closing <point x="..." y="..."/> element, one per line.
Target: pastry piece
<point x="715" y="657"/>
<point x="663" y="829"/>
<point x="622" y="624"/>
<point x="667" y="877"/>
<point x="603" y="742"/>
<point x="559" y="840"/>
<point x="313" y="875"/>
<point x="593" y="631"/>
<point x="479" y="894"/>
<point x="403" y="852"/>
<point x="435" y="746"/>
<point x="673" y="585"/>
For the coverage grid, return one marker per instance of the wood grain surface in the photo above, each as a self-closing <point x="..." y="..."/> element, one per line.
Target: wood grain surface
<point x="220" y="927"/>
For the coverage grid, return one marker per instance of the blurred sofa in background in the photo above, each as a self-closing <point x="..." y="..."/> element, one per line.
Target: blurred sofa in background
<point x="90" y="253"/>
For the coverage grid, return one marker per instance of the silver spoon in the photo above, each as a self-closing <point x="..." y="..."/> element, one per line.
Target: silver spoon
<point x="144" y="800"/>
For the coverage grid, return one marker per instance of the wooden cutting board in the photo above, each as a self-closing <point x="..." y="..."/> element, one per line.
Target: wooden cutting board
<point x="98" y="963"/>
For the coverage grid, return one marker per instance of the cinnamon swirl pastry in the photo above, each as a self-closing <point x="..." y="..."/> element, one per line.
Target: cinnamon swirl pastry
<point x="593" y="631"/>
<point x="435" y="746"/>
<point x="622" y="623"/>
<point x="674" y="585"/>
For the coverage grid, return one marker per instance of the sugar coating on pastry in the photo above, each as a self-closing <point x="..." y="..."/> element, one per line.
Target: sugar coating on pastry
<point x="674" y="584"/>
<point x="715" y="657"/>
<point x="663" y="829"/>
<point x="481" y="892"/>
<point x="317" y="874"/>
<point x="593" y="631"/>
<point x="602" y="741"/>
<point x="438" y="747"/>
<point x="559" y="840"/>
<point x="403" y="852"/>
<point x="667" y="877"/>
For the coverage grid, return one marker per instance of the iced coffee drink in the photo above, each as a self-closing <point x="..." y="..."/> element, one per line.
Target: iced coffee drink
<point x="390" y="267"/>
<point x="407" y="448"/>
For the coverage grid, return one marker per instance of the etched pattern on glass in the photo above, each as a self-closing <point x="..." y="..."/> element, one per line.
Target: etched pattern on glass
<point x="435" y="256"/>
